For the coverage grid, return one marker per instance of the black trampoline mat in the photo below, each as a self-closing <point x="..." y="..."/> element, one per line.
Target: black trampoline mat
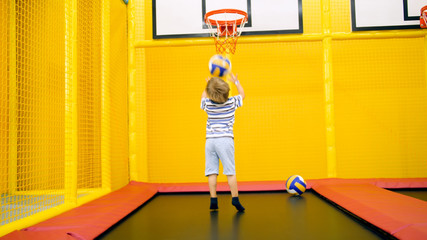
<point x="415" y="193"/>
<point x="272" y="215"/>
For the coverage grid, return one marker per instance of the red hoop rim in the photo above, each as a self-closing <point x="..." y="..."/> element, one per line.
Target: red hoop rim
<point x="226" y="22"/>
<point x="423" y="17"/>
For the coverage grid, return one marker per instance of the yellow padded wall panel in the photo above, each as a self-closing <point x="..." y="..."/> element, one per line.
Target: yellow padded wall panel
<point x="119" y="94"/>
<point x="380" y="108"/>
<point x="340" y="16"/>
<point x="311" y="11"/>
<point x="175" y="122"/>
<point x="143" y="20"/>
<point x="138" y="118"/>
<point x="279" y="131"/>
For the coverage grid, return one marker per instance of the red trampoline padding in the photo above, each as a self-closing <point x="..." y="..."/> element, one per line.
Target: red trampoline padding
<point x="392" y="183"/>
<point x="402" y="216"/>
<point x="412" y="231"/>
<point x="26" y="235"/>
<point x="91" y="219"/>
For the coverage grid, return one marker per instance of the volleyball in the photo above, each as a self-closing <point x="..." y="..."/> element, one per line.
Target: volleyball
<point x="219" y="66"/>
<point x="295" y="185"/>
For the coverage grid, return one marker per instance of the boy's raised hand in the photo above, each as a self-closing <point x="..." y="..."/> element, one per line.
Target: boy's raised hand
<point x="233" y="78"/>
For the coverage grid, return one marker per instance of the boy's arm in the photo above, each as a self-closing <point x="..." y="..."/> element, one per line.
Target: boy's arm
<point x="203" y="102"/>
<point x="238" y="85"/>
<point x="204" y="94"/>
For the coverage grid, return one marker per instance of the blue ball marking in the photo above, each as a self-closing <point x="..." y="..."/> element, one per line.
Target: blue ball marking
<point x="292" y="185"/>
<point x="220" y="68"/>
<point x="298" y="180"/>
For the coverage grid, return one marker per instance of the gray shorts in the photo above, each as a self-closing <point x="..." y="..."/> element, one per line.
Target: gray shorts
<point x="216" y="149"/>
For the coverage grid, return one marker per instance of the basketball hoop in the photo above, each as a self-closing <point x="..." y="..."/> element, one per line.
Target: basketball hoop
<point x="423" y="17"/>
<point x="225" y="27"/>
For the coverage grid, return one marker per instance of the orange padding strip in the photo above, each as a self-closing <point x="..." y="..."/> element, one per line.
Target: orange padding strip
<point x="90" y="220"/>
<point x="280" y="185"/>
<point x="402" y="216"/>
<point x="223" y="187"/>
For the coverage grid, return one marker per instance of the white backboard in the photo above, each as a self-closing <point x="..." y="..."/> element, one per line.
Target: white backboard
<point x="386" y="14"/>
<point x="184" y="18"/>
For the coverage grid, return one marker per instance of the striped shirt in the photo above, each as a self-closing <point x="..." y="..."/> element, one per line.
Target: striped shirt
<point x="220" y="116"/>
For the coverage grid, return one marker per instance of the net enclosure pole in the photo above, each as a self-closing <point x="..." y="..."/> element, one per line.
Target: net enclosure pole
<point x="105" y="100"/>
<point x="71" y="124"/>
<point x="13" y="164"/>
<point x="329" y="91"/>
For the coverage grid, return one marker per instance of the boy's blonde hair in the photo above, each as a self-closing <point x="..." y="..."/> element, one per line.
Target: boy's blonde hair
<point x="217" y="90"/>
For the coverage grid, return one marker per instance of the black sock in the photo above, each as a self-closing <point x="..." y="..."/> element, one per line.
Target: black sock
<point x="235" y="201"/>
<point x="214" y="203"/>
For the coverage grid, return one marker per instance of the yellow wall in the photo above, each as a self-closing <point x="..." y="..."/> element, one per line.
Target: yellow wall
<point x="370" y="124"/>
<point x="380" y="108"/>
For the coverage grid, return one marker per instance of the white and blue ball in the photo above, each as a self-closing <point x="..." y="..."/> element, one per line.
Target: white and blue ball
<point x="219" y="66"/>
<point x="295" y="185"/>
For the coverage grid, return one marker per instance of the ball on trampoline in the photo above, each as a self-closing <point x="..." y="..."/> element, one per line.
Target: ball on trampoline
<point x="219" y="65"/>
<point x="295" y="185"/>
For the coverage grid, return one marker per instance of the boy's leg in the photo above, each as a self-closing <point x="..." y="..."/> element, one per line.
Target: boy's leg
<point x="226" y="154"/>
<point x="211" y="170"/>
<point x="212" y="189"/>
<point x="212" y="184"/>
<point x="232" y="182"/>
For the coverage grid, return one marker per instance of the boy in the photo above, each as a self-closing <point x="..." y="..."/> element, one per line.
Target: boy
<point x="219" y="135"/>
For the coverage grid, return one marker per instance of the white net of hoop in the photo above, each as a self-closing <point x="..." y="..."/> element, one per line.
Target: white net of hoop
<point x="226" y="35"/>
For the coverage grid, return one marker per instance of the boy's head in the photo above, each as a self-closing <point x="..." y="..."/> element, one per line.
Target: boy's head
<point x="217" y="90"/>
